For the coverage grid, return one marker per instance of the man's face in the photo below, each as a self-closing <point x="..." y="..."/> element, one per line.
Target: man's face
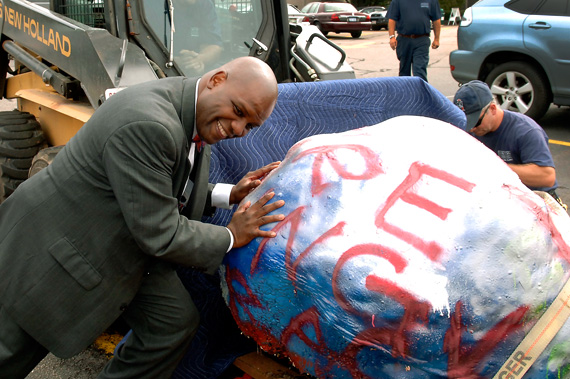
<point x="485" y="124"/>
<point x="230" y="109"/>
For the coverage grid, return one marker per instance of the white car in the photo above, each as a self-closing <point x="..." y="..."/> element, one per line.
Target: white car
<point x="295" y="15"/>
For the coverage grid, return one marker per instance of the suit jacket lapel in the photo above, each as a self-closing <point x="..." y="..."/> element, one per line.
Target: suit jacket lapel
<point x="187" y="117"/>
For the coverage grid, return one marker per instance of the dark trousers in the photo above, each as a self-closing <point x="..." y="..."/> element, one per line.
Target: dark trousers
<point x="163" y="319"/>
<point x="19" y="352"/>
<point x="413" y="54"/>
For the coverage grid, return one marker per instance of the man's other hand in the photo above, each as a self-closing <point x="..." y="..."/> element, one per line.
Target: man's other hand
<point x="247" y="220"/>
<point x="250" y="181"/>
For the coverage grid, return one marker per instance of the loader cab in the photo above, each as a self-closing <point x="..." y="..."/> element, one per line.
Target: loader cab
<point x="191" y="37"/>
<point x="217" y="30"/>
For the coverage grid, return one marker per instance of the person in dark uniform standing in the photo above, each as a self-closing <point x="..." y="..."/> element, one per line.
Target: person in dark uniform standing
<point x="411" y="19"/>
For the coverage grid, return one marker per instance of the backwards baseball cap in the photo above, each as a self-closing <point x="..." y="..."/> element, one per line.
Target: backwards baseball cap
<point x="471" y="98"/>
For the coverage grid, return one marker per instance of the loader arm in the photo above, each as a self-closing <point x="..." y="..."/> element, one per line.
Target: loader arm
<point x="92" y="56"/>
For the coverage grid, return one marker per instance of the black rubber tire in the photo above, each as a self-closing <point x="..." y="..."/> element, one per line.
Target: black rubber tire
<point x="15" y="168"/>
<point x="356" y="34"/>
<point x="506" y="82"/>
<point x="43" y="159"/>
<point x="20" y="140"/>
<point x="320" y="27"/>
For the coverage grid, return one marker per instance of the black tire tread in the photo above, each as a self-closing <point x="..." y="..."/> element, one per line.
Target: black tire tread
<point x="9" y="151"/>
<point x="21" y="138"/>
<point x="43" y="159"/>
<point x="9" y="185"/>
<point x="10" y="135"/>
<point x="36" y="138"/>
<point x="15" y="169"/>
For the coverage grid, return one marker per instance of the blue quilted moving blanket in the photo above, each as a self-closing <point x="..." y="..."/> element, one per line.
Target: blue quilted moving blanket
<point x="302" y="110"/>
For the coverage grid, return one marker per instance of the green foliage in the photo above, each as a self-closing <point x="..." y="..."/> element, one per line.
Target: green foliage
<point x="365" y="3"/>
<point x="559" y="359"/>
<point x="445" y="4"/>
<point x="448" y="4"/>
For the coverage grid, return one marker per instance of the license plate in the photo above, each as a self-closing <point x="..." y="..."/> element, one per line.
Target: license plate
<point x="352" y="19"/>
<point x="374" y="21"/>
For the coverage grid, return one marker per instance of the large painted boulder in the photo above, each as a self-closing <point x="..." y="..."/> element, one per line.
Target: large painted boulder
<point x="302" y="110"/>
<point x="409" y="250"/>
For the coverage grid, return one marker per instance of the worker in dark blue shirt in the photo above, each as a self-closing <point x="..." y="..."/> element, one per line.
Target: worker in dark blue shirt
<point x="515" y="138"/>
<point x="411" y="19"/>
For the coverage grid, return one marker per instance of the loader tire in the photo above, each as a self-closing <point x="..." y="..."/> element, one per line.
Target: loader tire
<point x="20" y="140"/>
<point x="43" y="159"/>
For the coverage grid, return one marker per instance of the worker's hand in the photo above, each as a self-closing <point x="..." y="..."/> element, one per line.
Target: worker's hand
<point x="248" y="218"/>
<point x="435" y="44"/>
<point x="191" y="60"/>
<point x="393" y="43"/>
<point x="250" y="181"/>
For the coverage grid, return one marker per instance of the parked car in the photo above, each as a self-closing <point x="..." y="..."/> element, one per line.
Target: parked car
<point x="337" y="17"/>
<point x="377" y="17"/>
<point x="520" y="49"/>
<point x="295" y="15"/>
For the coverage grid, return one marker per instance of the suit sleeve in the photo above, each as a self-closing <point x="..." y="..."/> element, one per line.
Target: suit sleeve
<point x="140" y="159"/>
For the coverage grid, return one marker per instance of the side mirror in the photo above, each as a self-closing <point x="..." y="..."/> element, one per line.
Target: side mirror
<point x="320" y="58"/>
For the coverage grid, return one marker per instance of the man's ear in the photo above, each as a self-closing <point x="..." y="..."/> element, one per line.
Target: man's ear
<point x="217" y="79"/>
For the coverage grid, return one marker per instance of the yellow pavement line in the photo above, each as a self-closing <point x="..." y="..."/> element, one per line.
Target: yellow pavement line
<point x="559" y="142"/>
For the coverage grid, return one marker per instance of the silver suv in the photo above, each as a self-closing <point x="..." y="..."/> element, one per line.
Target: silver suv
<point x="520" y="48"/>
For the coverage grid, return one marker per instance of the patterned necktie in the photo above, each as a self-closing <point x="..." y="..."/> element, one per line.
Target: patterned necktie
<point x="198" y="141"/>
<point x="188" y="189"/>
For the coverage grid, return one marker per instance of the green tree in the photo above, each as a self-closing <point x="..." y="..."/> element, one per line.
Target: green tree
<point x="445" y="4"/>
<point x="448" y="4"/>
<point x="365" y="3"/>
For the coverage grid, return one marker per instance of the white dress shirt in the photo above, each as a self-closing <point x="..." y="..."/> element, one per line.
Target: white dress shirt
<point x="221" y="192"/>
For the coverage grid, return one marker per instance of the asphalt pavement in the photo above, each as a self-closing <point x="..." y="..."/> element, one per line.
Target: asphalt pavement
<point x="85" y="365"/>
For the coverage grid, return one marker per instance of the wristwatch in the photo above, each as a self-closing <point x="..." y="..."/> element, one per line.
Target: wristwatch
<point x="392" y="36"/>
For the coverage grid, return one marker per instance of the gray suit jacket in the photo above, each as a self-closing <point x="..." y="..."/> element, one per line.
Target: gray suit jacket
<point x="75" y="239"/>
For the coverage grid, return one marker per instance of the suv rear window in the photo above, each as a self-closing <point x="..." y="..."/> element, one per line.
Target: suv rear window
<point x="546" y="7"/>
<point x="522" y="6"/>
<point x="554" y="8"/>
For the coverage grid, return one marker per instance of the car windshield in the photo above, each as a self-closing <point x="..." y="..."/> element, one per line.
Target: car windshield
<point x="292" y="10"/>
<point x="339" y="7"/>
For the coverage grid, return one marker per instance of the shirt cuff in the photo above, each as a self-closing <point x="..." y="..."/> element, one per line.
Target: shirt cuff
<point x="221" y="195"/>
<point x="231" y="240"/>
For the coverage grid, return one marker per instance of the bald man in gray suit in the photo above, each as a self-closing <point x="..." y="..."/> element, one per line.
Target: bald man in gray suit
<point x="97" y="234"/>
